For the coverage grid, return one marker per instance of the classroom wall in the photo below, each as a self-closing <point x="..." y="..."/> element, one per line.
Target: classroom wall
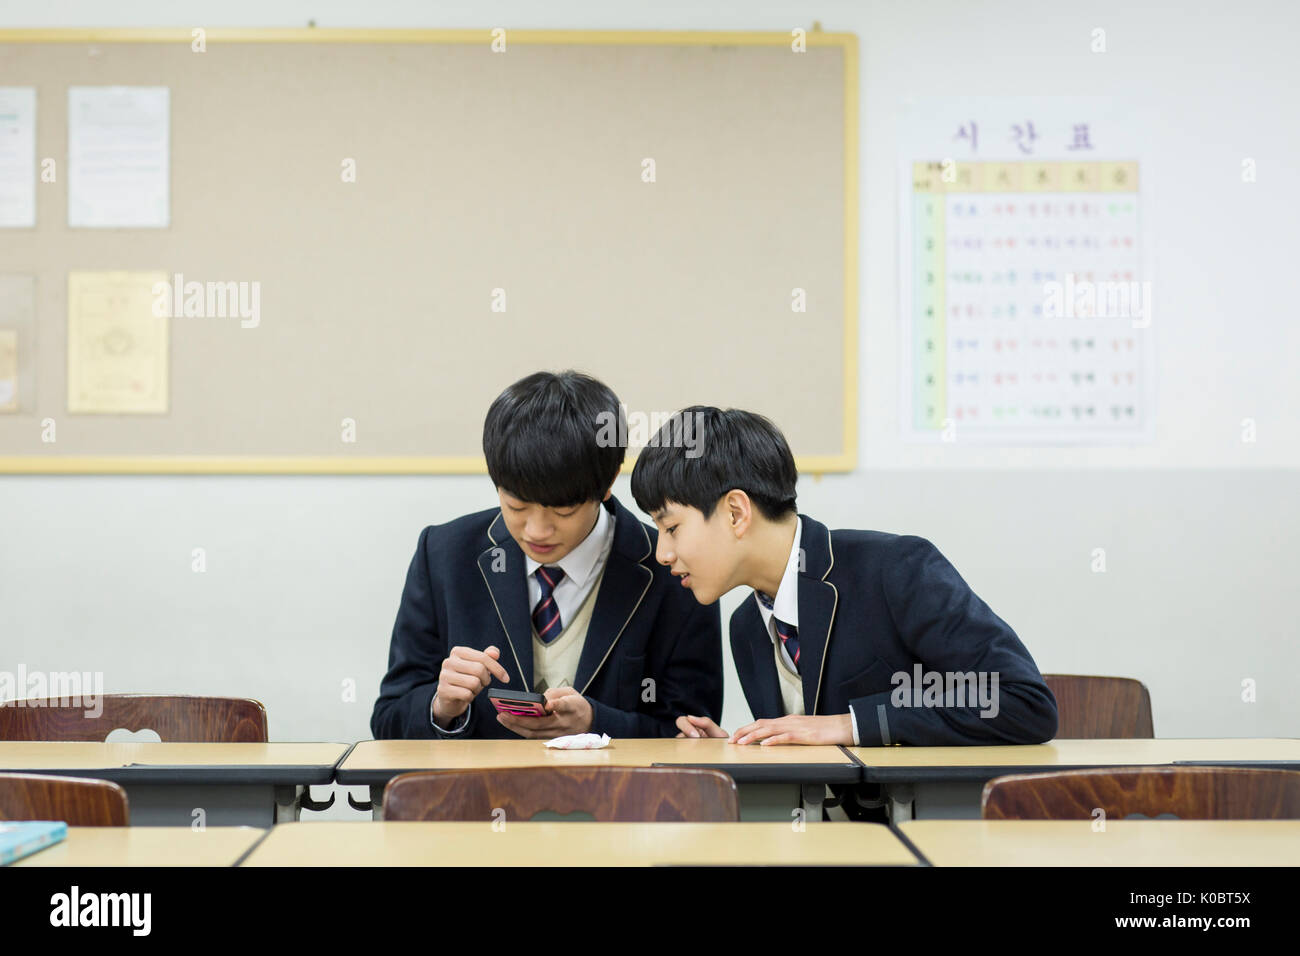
<point x="1199" y="529"/>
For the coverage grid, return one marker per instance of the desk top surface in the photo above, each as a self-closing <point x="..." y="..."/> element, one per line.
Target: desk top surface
<point x="889" y="763"/>
<point x="374" y="761"/>
<point x="175" y="762"/>
<point x="1123" y="843"/>
<point x="563" y="843"/>
<point x="147" y="846"/>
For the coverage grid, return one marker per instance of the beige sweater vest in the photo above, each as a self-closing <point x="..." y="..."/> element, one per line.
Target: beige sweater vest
<point x="791" y="685"/>
<point x="556" y="664"/>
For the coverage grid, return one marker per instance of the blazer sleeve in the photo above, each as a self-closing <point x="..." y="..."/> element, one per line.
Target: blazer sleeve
<point x="946" y="626"/>
<point x="415" y="656"/>
<point x="689" y="682"/>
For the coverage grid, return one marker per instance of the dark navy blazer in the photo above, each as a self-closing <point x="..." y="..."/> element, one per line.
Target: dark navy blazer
<point x="467" y="586"/>
<point x="872" y="605"/>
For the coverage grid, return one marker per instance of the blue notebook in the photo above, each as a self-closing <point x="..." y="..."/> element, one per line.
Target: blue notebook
<point x="18" y="840"/>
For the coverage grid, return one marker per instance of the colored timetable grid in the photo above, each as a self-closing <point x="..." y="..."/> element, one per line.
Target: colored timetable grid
<point x="1027" y="311"/>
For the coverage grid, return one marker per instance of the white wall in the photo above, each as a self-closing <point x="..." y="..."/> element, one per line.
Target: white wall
<point x="304" y="573"/>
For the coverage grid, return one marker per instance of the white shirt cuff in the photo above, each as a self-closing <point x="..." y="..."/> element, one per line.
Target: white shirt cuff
<point x="853" y="719"/>
<point x="458" y="725"/>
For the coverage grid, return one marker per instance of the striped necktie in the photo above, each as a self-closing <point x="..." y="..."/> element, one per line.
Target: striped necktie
<point x="546" y="616"/>
<point x="788" y="633"/>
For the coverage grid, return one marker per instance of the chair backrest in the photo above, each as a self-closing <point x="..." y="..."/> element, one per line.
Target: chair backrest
<point x="1189" y="793"/>
<point x="1091" y="708"/>
<point x="623" y="794"/>
<point x="77" y="801"/>
<point x="194" y="720"/>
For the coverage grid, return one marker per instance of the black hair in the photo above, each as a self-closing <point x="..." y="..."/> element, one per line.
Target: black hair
<point x="702" y="452"/>
<point x="556" y="440"/>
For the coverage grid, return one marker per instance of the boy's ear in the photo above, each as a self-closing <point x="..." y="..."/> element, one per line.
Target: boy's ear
<point x="739" y="510"/>
<point x="608" y="491"/>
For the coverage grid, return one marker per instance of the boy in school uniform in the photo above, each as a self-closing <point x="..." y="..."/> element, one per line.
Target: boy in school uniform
<point x="851" y="637"/>
<point x="555" y="592"/>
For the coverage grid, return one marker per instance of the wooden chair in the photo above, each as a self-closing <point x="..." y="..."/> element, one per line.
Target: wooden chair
<point x="1189" y="793"/>
<point x="1092" y="708"/>
<point x="622" y="794"/>
<point x="195" y="720"/>
<point x="77" y="801"/>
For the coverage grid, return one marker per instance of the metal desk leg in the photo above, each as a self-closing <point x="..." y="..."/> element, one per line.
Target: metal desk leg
<point x="377" y="801"/>
<point x="814" y="795"/>
<point x="898" y="798"/>
<point x="288" y="804"/>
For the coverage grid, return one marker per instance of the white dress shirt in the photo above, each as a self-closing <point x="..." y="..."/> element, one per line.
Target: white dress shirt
<point x="785" y="605"/>
<point x="582" y="567"/>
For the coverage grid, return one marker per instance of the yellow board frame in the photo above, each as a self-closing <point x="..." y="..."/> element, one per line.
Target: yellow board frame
<point x="846" y="461"/>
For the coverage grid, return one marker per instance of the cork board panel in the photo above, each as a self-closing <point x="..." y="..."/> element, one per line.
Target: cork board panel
<point x="480" y="177"/>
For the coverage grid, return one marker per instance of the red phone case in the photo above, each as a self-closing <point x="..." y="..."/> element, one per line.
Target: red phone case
<point x="517" y="708"/>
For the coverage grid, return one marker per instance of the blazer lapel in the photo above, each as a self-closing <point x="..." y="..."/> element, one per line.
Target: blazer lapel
<point x="818" y="601"/>
<point x="761" y="679"/>
<point x="624" y="586"/>
<point x="502" y="566"/>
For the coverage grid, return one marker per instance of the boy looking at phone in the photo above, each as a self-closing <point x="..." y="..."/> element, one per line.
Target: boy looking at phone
<point x="555" y="592"/>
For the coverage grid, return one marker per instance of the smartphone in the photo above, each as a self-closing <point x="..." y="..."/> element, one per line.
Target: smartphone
<point x="518" y="703"/>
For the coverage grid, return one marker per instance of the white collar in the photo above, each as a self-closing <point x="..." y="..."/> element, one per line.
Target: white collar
<point x="785" y="605"/>
<point x="579" y="562"/>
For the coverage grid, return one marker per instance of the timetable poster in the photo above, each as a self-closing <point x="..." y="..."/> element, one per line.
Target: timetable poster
<point x="1027" y="316"/>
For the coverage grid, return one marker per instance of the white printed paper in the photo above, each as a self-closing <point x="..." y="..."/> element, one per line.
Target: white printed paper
<point x="119" y="163"/>
<point x="17" y="156"/>
<point x="1026" y="306"/>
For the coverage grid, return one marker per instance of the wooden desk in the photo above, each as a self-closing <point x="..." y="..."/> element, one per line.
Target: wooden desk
<point x="1124" y="842"/>
<point x="947" y="782"/>
<point x="147" y="846"/>
<point x="578" y="844"/>
<point x="771" y="781"/>
<point x="234" y="784"/>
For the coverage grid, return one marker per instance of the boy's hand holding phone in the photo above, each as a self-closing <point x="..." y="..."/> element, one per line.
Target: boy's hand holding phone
<point x="568" y="712"/>
<point x="465" y="672"/>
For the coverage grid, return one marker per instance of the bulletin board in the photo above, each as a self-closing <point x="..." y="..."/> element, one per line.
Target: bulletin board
<point x="428" y="216"/>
